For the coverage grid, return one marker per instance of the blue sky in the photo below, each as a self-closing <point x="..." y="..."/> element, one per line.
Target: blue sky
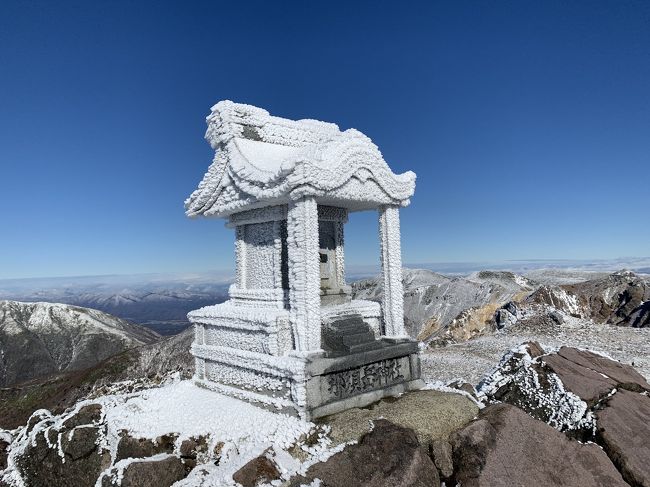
<point x="528" y="124"/>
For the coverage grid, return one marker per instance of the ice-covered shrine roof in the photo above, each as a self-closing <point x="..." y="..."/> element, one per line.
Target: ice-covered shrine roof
<point x="262" y="160"/>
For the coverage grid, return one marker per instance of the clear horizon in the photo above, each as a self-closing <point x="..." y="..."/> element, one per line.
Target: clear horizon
<point x="638" y="264"/>
<point x="526" y="123"/>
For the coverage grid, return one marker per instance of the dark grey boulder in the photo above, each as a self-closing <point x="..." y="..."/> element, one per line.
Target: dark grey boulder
<point x="4" y="447"/>
<point x="130" y="447"/>
<point x="259" y="470"/>
<point x="442" y="456"/>
<point x="80" y="460"/>
<point x="148" y="473"/>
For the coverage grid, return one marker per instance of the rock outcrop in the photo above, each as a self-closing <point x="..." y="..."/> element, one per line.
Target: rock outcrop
<point x="505" y="446"/>
<point x="621" y="298"/>
<point x="259" y="470"/>
<point x="433" y="301"/>
<point x="583" y="394"/>
<point x="623" y="431"/>
<point x="388" y="456"/>
<point x="159" y="471"/>
<point x="66" y="454"/>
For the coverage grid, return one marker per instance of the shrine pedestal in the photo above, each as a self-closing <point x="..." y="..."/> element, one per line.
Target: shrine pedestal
<point x="358" y="379"/>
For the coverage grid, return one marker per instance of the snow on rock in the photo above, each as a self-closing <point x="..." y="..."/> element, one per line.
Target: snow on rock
<point x="558" y="298"/>
<point x="522" y="380"/>
<point x="235" y="431"/>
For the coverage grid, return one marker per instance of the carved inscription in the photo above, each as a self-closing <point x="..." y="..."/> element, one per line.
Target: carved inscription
<point x="365" y="378"/>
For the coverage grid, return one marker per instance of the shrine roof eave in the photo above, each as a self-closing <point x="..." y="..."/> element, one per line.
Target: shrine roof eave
<point x="261" y="160"/>
<point x="322" y="199"/>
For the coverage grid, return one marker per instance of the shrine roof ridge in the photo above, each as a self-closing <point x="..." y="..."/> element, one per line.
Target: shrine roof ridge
<point x="261" y="159"/>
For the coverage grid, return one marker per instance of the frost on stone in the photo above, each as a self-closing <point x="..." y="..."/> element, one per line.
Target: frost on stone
<point x="523" y="380"/>
<point x="260" y="157"/>
<point x="286" y="188"/>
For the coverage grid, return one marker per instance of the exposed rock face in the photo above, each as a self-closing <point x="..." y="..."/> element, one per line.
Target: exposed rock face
<point x="562" y="389"/>
<point x="432" y="301"/>
<point x="621" y="298"/>
<point x="623" y="430"/>
<point x="442" y="456"/>
<point x="70" y="450"/>
<point x="583" y="394"/>
<point x="592" y="376"/>
<point x="524" y="380"/>
<point x="129" y="447"/>
<point x="40" y="339"/>
<point x="388" y="456"/>
<point x="67" y="455"/>
<point x="4" y="445"/>
<point x="259" y="470"/>
<point x="505" y="446"/>
<point x="161" y="472"/>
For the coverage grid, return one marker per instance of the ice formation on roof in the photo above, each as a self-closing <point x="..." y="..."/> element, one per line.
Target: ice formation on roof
<point x="262" y="159"/>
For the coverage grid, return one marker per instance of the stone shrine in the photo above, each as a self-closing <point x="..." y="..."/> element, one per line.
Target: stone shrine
<point x="290" y="336"/>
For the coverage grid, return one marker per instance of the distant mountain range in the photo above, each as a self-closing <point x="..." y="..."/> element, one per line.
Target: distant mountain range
<point x="41" y="339"/>
<point x="160" y="302"/>
<point x="447" y="308"/>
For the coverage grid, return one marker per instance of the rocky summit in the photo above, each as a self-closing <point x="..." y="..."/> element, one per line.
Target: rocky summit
<point x="565" y="417"/>
<point x="551" y="411"/>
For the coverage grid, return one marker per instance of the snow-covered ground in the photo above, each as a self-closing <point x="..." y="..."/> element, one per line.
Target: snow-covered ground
<point x="239" y="431"/>
<point x="473" y="359"/>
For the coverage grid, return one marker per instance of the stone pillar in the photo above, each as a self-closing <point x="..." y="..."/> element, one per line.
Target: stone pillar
<point x="304" y="273"/>
<point x="391" y="266"/>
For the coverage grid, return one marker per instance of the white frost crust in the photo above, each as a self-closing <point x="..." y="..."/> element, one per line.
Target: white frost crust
<point x="369" y="310"/>
<point x="304" y="274"/>
<point x="391" y="264"/>
<point x="568" y="411"/>
<point x="437" y="385"/>
<point x="285" y="366"/>
<point x="258" y="317"/>
<point x="261" y="158"/>
<point x="180" y="407"/>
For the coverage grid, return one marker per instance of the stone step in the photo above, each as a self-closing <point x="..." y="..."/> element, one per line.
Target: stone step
<point x="358" y="338"/>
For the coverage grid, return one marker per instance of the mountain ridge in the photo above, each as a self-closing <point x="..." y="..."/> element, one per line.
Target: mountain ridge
<point x="40" y="339"/>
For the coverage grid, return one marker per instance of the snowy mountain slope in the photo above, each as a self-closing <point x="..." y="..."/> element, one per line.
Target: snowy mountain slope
<point x="621" y="298"/>
<point x="432" y="301"/>
<point x="157" y="302"/>
<point x="144" y="366"/>
<point x="39" y="339"/>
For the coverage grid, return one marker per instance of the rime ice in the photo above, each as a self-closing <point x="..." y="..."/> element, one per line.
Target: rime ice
<point x="290" y="337"/>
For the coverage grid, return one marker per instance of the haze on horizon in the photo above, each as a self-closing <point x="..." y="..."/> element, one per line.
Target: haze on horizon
<point x="527" y="124"/>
